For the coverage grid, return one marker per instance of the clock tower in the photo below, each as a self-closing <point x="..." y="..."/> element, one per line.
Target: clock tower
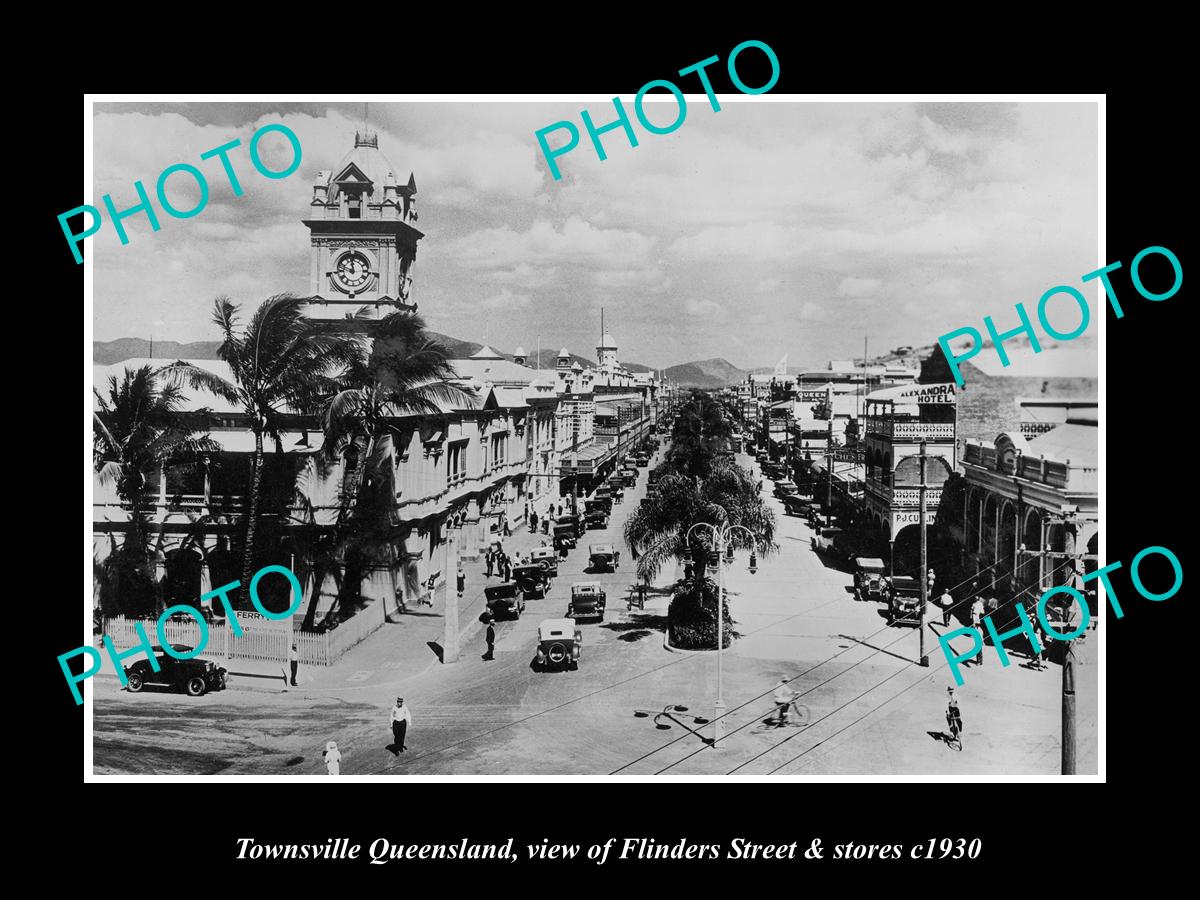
<point x="364" y="239"/>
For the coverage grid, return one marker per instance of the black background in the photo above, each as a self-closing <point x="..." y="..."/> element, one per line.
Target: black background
<point x="1051" y="829"/>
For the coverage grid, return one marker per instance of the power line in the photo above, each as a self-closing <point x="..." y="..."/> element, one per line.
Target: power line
<point x="802" y="674"/>
<point x="853" y="699"/>
<point x="842" y="672"/>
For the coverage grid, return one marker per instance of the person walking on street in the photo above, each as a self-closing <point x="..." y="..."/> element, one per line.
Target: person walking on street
<point x="977" y="624"/>
<point x="507" y="528"/>
<point x="953" y="714"/>
<point x="488" y="558"/>
<point x="401" y="718"/>
<point x="1035" y="661"/>
<point x="946" y="601"/>
<point x="462" y="581"/>
<point x="533" y="521"/>
<point x="294" y="662"/>
<point x="333" y="758"/>
<point x="490" y="637"/>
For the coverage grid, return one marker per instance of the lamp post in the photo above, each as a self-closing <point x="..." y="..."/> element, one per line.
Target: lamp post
<point x="720" y="537"/>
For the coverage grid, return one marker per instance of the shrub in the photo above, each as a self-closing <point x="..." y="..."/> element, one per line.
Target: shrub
<point x="692" y="618"/>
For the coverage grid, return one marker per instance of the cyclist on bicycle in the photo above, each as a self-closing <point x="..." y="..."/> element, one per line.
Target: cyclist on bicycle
<point x="953" y="716"/>
<point x="784" y="696"/>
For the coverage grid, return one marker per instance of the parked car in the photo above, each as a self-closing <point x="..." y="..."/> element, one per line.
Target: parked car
<point x="823" y="540"/>
<point x="603" y="558"/>
<point x="785" y="489"/>
<point x="531" y="579"/>
<point x="904" y="607"/>
<point x="631" y="474"/>
<point x="641" y="460"/>
<point x="546" y="558"/>
<point x="504" y="601"/>
<point x="559" y="644"/>
<point x="195" y="676"/>
<point x="870" y="580"/>
<point x="596" y="518"/>
<point x="588" y="600"/>
<point x="570" y="520"/>
<point x="565" y="537"/>
<point x="795" y="505"/>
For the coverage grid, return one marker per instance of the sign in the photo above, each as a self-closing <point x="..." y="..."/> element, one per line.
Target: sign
<point x="917" y="393"/>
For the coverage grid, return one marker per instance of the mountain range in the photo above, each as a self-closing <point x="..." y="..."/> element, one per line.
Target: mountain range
<point x="706" y="374"/>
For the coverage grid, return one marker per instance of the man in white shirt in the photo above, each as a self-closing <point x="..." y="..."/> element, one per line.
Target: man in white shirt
<point x="783" y="700"/>
<point x="977" y="622"/>
<point x="401" y="718"/>
<point x="947" y="603"/>
<point x="294" y="660"/>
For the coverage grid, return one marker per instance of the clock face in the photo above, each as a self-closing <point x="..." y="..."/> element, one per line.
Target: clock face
<point x="353" y="271"/>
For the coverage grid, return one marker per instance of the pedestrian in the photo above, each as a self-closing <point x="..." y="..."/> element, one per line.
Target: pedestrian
<point x="490" y="637"/>
<point x="977" y="624"/>
<point x="294" y="661"/>
<point x="432" y="586"/>
<point x="462" y="581"/>
<point x="333" y="758"/>
<point x="560" y="510"/>
<point x="401" y="718"/>
<point x="506" y="561"/>
<point x="488" y="557"/>
<point x="1038" y="648"/>
<point x="533" y="521"/>
<point x="947" y="603"/>
<point x="507" y="529"/>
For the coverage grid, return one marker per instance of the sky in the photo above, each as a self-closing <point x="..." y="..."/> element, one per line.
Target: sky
<point x="770" y="227"/>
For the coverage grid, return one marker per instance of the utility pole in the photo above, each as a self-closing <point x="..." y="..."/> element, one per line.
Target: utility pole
<point x="829" y="473"/>
<point x="450" y="614"/>
<point x="1068" y="710"/>
<point x="924" y="563"/>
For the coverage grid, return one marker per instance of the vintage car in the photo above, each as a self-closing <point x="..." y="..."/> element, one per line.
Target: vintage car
<point x="546" y="558"/>
<point x="587" y="600"/>
<point x="559" y="644"/>
<point x="870" y="580"/>
<point x="785" y="489"/>
<point x="631" y="474"/>
<point x="603" y="558"/>
<point x="505" y="601"/>
<point x="602" y="497"/>
<point x="795" y="505"/>
<point x="823" y="540"/>
<point x="531" y="579"/>
<point x="641" y="460"/>
<point x="615" y="490"/>
<point x="195" y="676"/>
<point x="595" y="516"/>
<point x="573" y="521"/>
<point x="565" y="537"/>
<point x="904" y="603"/>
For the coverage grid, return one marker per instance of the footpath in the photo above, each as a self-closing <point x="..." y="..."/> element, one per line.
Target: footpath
<point x="407" y="645"/>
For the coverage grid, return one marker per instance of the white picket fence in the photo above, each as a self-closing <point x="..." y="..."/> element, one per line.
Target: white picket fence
<point x="262" y="638"/>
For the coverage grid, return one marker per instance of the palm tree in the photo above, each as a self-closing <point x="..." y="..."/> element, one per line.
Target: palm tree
<point x="407" y="373"/>
<point x="137" y="429"/>
<point x="280" y="363"/>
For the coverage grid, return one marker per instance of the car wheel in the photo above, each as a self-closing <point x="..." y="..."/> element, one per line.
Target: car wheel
<point x="195" y="686"/>
<point x="134" y="682"/>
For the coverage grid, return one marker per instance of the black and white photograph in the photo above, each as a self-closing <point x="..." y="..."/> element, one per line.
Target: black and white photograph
<point x="456" y="438"/>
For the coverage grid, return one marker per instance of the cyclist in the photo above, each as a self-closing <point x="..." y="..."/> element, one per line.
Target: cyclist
<point x="953" y="715"/>
<point x="783" y="702"/>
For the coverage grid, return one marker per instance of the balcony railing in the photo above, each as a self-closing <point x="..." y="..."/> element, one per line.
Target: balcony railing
<point x="911" y="430"/>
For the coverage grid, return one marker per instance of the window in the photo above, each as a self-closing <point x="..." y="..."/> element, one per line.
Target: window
<point x="456" y="462"/>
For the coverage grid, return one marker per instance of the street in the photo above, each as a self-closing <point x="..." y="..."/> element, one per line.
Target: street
<point x="867" y="708"/>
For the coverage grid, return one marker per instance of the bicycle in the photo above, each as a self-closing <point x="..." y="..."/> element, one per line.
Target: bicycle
<point x="955" y="724"/>
<point x="780" y="718"/>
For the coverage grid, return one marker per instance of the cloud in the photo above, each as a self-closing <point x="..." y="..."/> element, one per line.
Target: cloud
<point x="506" y="300"/>
<point x="577" y="242"/>
<point x="524" y="275"/>
<point x="767" y="285"/>
<point x="855" y="288"/>
<point x="706" y="309"/>
<point x="813" y="312"/>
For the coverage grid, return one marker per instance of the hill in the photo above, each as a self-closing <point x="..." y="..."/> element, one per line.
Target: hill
<point x="707" y="374"/>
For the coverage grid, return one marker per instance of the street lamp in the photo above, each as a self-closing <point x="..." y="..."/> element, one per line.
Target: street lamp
<point x="721" y="539"/>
